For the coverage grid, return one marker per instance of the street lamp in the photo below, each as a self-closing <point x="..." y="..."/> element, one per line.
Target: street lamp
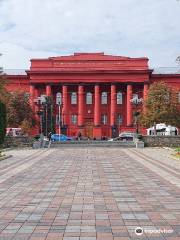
<point x="45" y="113"/>
<point x="58" y="102"/>
<point x="40" y="102"/>
<point x="136" y="101"/>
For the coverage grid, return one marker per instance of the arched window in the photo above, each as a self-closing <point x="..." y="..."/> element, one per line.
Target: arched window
<point x="88" y="98"/>
<point x="73" y="98"/>
<point x="104" y="98"/>
<point x="119" y="97"/>
<point x="58" y="98"/>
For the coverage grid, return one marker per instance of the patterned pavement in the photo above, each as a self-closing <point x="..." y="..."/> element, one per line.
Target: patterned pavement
<point x="88" y="194"/>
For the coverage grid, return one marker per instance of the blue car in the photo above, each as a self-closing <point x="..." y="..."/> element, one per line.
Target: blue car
<point x="61" y="138"/>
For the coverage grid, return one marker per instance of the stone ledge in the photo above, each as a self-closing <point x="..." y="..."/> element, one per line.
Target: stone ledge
<point x="162" y="141"/>
<point x="92" y="144"/>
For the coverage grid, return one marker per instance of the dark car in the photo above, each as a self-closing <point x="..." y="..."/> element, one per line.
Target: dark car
<point x="124" y="136"/>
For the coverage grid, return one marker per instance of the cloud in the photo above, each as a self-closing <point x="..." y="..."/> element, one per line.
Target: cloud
<point x="133" y="28"/>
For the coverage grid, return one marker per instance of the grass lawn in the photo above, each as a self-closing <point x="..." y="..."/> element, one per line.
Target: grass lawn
<point x="177" y="154"/>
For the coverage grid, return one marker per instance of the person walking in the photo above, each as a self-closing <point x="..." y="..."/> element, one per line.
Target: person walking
<point x="49" y="136"/>
<point x="79" y="136"/>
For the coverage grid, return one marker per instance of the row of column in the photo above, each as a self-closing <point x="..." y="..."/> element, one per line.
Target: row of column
<point x="113" y="104"/>
<point x="97" y="115"/>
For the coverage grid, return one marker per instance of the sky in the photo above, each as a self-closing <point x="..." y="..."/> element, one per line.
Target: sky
<point x="133" y="28"/>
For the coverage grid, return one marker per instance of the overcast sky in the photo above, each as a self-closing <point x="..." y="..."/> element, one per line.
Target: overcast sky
<point x="44" y="28"/>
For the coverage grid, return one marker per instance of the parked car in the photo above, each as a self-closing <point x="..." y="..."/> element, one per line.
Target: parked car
<point x="162" y="129"/>
<point x="128" y="136"/>
<point x="61" y="138"/>
<point x="14" y="132"/>
<point x="124" y="136"/>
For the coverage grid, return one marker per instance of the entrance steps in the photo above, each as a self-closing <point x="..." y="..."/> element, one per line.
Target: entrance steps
<point x="128" y="144"/>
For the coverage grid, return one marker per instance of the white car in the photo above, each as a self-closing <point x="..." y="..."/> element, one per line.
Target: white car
<point x="162" y="129"/>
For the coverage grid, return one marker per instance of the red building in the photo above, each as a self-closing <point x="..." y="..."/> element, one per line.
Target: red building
<point x="95" y="90"/>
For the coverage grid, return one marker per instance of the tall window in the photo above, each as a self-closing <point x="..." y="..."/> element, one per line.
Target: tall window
<point x="104" y="119"/>
<point x="119" y="119"/>
<point x="58" y="98"/>
<point x="74" y="119"/>
<point x="88" y="98"/>
<point x="135" y="95"/>
<point x="104" y="98"/>
<point x="179" y="97"/>
<point x="119" y="98"/>
<point x="73" y="98"/>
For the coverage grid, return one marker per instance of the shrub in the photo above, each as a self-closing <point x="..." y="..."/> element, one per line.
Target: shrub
<point x="2" y="122"/>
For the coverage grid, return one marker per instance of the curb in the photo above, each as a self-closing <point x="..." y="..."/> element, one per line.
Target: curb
<point x="6" y="149"/>
<point x="5" y="157"/>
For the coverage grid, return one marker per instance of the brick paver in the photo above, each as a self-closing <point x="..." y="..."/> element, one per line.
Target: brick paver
<point x="87" y="194"/>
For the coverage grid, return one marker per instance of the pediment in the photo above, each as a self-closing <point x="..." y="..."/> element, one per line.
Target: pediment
<point x="89" y="62"/>
<point x="89" y="56"/>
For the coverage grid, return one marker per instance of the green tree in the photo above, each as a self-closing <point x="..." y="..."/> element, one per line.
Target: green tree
<point x="2" y="108"/>
<point x="19" y="110"/>
<point x="1" y="82"/>
<point x="3" y="91"/>
<point x="161" y="106"/>
<point x="2" y="122"/>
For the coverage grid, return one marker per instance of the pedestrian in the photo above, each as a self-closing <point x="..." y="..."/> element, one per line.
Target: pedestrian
<point x="49" y="136"/>
<point x="79" y="135"/>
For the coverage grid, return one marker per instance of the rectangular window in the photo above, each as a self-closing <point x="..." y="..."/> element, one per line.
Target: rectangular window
<point x="104" y="98"/>
<point x="119" y="119"/>
<point x="135" y="95"/>
<point x="89" y="98"/>
<point x="179" y="97"/>
<point x="104" y="119"/>
<point x="74" y="119"/>
<point x="73" y="98"/>
<point x="119" y="98"/>
<point x="58" y="98"/>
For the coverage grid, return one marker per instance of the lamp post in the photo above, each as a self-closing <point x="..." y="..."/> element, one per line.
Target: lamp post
<point x="40" y="114"/>
<point x="58" y="102"/>
<point x="44" y="103"/>
<point x="136" y="101"/>
<point x="45" y="113"/>
<point x="40" y="102"/>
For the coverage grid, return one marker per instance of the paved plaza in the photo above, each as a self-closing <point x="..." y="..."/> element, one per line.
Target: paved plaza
<point x="90" y="193"/>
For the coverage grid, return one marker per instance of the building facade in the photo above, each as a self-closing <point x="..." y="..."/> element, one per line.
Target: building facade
<point x="90" y="93"/>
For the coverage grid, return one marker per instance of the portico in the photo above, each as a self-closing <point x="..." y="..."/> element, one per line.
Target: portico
<point x="96" y="90"/>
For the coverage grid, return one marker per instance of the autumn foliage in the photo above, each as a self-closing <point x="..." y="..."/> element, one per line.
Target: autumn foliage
<point x="19" y="112"/>
<point x="162" y="106"/>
